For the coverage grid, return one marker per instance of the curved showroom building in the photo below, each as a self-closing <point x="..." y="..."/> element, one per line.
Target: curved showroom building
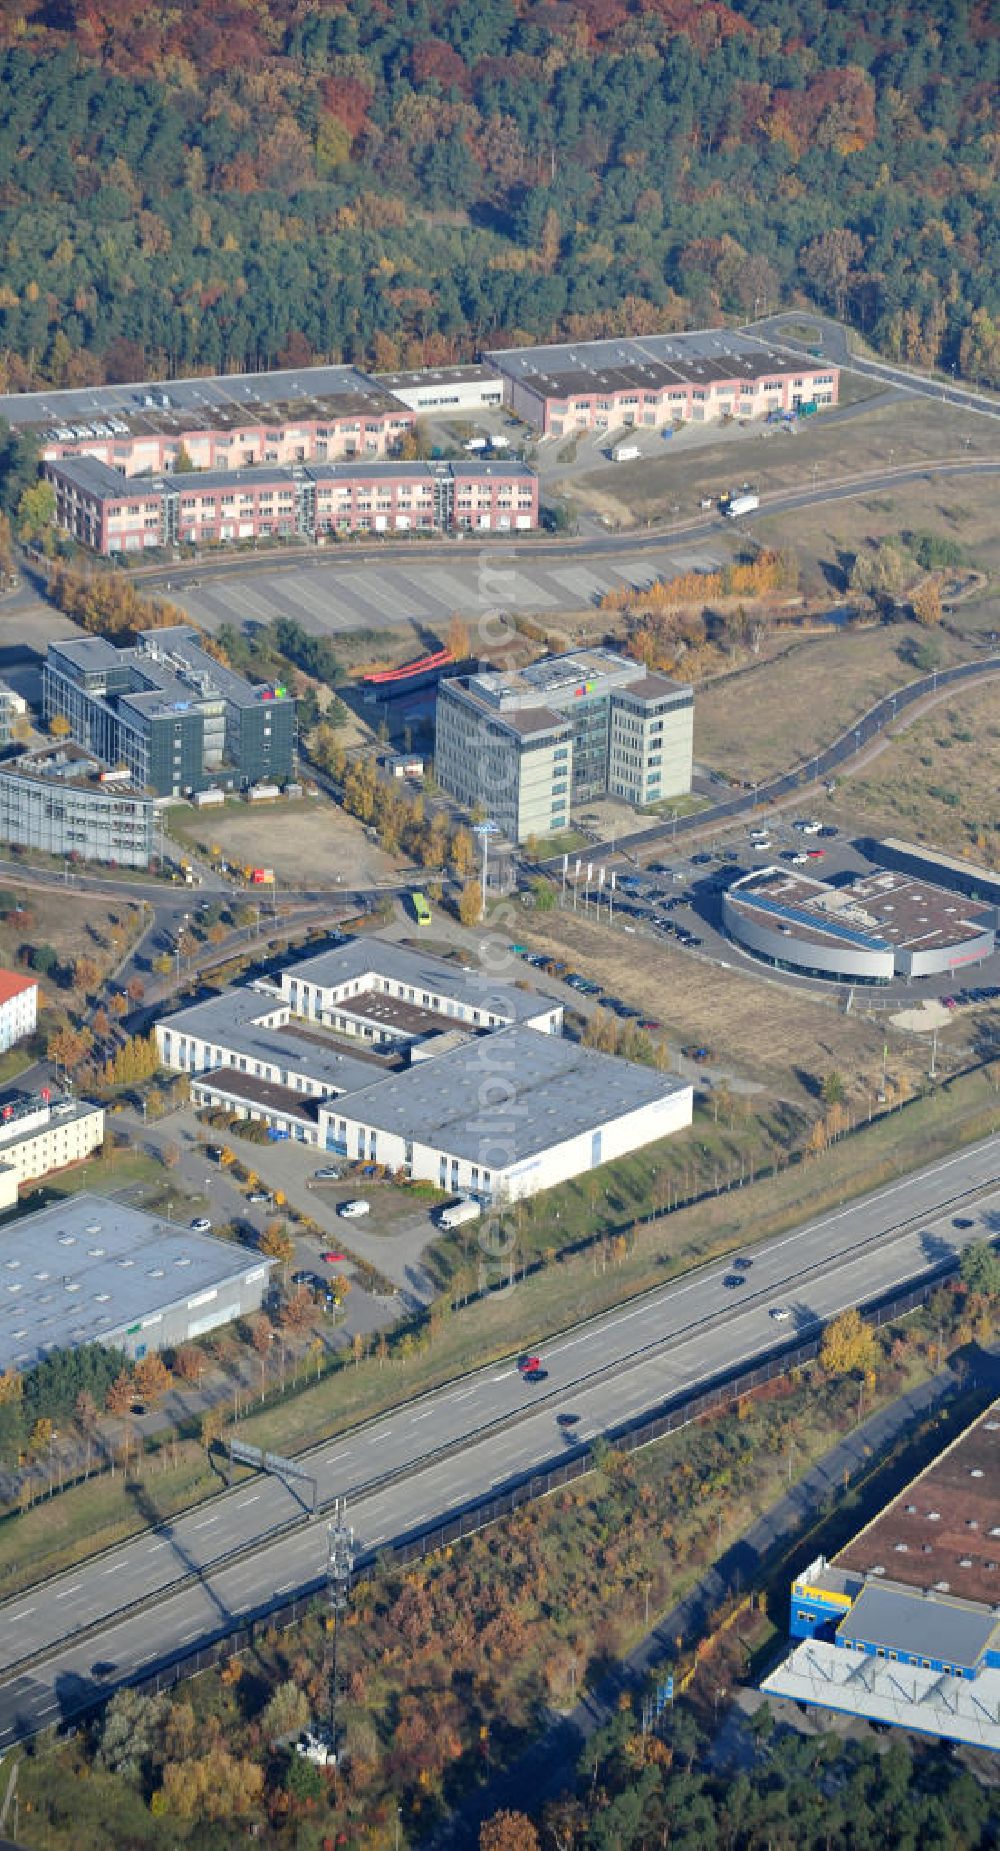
<point x="880" y="927"/>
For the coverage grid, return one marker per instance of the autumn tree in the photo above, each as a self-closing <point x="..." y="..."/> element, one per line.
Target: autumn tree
<point x="508" y="1831"/>
<point x="120" y="1395"/>
<point x="458" y="637"/>
<point x="277" y="1243"/>
<point x="979" y="1268"/>
<point x="926" y="603"/>
<point x="848" y="1345"/>
<point x="152" y="1378"/>
<point x="287" y="1713"/>
<point x="470" y="904"/>
<point x="68" y="1047"/>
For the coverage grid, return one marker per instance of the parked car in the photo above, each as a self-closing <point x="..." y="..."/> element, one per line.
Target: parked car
<point x="330" y="1173"/>
<point x="353" y="1210"/>
<point x="201" y="1225"/>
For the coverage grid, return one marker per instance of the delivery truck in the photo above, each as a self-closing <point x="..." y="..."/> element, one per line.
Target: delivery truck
<point x="742" y="504"/>
<point x="458" y="1213"/>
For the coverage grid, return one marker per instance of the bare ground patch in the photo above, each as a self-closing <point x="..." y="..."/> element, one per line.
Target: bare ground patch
<point x="764" y="1029"/>
<point x="312" y="843"/>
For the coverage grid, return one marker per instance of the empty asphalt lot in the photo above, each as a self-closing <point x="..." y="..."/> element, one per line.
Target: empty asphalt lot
<point x="332" y="595"/>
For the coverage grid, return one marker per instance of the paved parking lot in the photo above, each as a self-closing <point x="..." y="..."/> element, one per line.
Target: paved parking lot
<point x="690" y="883"/>
<point x="330" y="595"/>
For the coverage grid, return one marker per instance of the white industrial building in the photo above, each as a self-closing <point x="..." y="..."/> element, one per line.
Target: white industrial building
<point x="384" y="1054"/>
<point x="870" y="929"/>
<point x="18" y="1008"/>
<point x="447" y="390"/>
<point x="90" y="1270"/>
<point x="508" y="1114"/>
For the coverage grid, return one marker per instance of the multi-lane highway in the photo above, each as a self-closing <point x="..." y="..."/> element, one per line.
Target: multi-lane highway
<point x="146" y="1601"/>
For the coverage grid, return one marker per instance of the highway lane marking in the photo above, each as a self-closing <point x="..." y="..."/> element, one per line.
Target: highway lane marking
<point x="505" y="1376"/>
<point x="153" y="1547"/>
<point x="207" y="1521"/>
<point x="424" y="1416"/>
<point x="467" y="1393"/>
<point x="67" y="1591"/>
<point x="23" y="1613"/>
<point x="113" y="1570"/>
<point x="286" y="1589"/>
<point x="247" y="1501"/>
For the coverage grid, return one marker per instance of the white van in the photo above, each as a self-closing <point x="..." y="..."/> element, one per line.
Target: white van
<point x="352" y="1210"/>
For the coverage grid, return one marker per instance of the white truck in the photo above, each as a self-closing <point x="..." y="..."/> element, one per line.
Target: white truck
<point x="742" y="504"/>
<point x="458" y="1213"/>
<point x="625" y="453"/>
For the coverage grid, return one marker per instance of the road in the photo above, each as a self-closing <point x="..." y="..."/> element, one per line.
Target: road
<point x="431" y="1456"/>
<point x="902" y="379"/>
<point x="820" y="765"/>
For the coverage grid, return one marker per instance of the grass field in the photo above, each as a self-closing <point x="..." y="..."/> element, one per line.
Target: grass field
<point x="773" y="715"/>
<point x="827" y="536"/>
<point x="767" y="1031"/>
<point x="937" y="781"/>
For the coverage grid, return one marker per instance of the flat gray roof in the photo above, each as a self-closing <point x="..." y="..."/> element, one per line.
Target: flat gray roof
<point x="518" y="1087"/>
<point x="94" y="477"/>
<point x="928" y="1625"/>
<point x="169" y="665"/>
<point x="368" y="959"/>
<point x="87" y="1270"/>
<point x="233" y="1022"/>
<point x="301" y="391"/>
<point x="438" y="376"/>
<point x="705" y="356"/>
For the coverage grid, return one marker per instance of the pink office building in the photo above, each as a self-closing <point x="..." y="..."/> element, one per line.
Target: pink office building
<point x="658" y="380"/>
<point x="111" y="513"/>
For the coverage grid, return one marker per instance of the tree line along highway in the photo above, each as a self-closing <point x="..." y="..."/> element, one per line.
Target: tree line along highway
<point x="149" y="1601"/>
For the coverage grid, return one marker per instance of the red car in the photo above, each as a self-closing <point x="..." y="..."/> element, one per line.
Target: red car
<point x="333" y="1259"/>
<point x="527" y="1364"/>
<point x="815" y="854"/>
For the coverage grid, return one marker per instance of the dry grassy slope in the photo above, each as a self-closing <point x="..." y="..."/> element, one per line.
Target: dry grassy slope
<point x="763" y="1029"/>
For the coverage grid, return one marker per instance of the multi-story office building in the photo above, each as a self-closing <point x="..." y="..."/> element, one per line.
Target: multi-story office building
<point x="657" y="380"/>
<point x="532" y="745"/>
<point x="104" y="510"/>
<point x="173" y="716"/>
<point x="62" y="800"/>
<point x="39" y="1134"/>
<point x="13" y="715"/>
<point x="18" y="1008"/>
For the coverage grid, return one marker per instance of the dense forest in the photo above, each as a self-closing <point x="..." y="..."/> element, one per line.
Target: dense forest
<point x="404" y="181"/>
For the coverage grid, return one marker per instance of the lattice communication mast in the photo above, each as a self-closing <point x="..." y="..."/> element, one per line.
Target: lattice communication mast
<point x="339" y="1572"/>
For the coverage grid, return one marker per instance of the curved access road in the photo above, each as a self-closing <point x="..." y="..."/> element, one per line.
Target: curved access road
<point x="151" y="1600"/>
<point x="820" y="765"/>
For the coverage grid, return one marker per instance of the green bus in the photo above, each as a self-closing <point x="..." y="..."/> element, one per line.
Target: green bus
<point x="421" y="910"/>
